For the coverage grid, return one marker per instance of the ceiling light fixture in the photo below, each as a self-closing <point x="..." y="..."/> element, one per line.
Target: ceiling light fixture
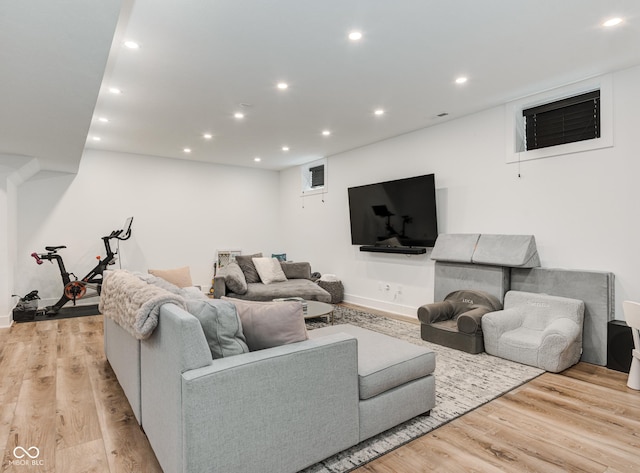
<point x="207" y="136"/>
<point x="326" y="133"/>
<point x="283" y="85"/>
<point x="96" y="138"/>
<point x="378" y="112"/>
<point x="461" y="80"/>
<point x="131" y="45"/>
<point x="238" y="115"/>
<point x="115" y="90"/>
<point x="355" y="36"/>
<point x="612" y="22"/>
<point x="285" y="148"/>
<point x="187" y="150"/>
<point x="257" y="159"/>
<point x="103" y="119"/>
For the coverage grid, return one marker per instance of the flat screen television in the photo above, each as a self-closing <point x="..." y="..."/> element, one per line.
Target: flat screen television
<point x="399" y="213"/>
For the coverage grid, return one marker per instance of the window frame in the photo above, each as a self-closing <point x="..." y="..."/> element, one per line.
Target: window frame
<point x="305" y="175"/>
<point x="515" y="127"/>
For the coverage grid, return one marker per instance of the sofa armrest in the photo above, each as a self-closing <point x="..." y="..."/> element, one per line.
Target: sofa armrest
<point x="276" y="404"/>
<point x="435" y="312"/>
<point x="494" y="324"/>
<point x="219" y="287"/>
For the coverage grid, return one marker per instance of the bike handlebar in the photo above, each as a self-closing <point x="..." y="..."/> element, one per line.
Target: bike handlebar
<point x="37" y="257"/>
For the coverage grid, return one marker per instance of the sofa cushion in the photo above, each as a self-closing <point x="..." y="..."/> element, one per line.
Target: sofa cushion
<point x="384" y="362"/>
<point x="248" y="268"/>
<point x="296" y="270"/>
<point x="269" y="270"/>
<point x="221" y="326"/>
<point x="234" y="278"/>
<point x="291" y="288"/>
<point x="181" y="277"/>
<point x="270" y="324"/>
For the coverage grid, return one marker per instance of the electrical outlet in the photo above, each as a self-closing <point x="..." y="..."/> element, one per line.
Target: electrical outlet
<point x="387" y="287"/>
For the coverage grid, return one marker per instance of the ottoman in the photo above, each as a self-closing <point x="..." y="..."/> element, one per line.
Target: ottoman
<point x="395" y="378"/>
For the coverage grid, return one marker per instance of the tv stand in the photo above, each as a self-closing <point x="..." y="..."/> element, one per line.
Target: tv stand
<point x="405" y="250"/>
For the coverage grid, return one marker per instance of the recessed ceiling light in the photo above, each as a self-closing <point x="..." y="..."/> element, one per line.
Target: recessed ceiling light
<point x="96" y="138"/>
<point x="257" y="159"/>
<point x="326" y="132"/>
<point x="238" y="115"/>
<point x="355" y="36"/>
<point x="103" y="119"/>
<point x="131" y="45"/>
<point x="612" y="22"/>
<point x="283" y="85"/>
<point x="115" y="90"/>
<point x="285" y="148"/>
<point x="378" y="112"/>
<point x="207" y="136"/>
<point x="461" y="80"/>
<point x="187" y="150"/>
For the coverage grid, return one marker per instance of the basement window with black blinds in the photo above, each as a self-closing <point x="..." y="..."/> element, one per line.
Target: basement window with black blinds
<point x="317" y="176"/>
<point x="564" y="121"/>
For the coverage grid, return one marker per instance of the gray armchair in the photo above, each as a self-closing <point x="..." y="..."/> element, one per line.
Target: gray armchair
<point x="537" y="330"/>
<point x="456" y="321"/>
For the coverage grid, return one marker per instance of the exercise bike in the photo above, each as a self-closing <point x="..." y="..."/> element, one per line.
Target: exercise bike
<point x="76" y="289"/>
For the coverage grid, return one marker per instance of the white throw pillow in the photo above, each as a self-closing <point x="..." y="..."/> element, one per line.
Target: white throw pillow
<point x="269" y="270"/>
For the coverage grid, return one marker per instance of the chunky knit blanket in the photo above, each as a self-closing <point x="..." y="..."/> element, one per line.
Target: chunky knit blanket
<point x="133" y="303"/>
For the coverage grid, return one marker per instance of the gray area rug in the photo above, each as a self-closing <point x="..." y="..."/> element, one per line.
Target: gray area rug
<point x="463" y="383"/>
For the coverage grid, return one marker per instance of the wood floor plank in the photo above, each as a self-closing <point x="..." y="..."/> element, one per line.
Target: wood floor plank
<point x="88" y="457"/>
<point x="126" y="445"/>
<point x="34" y="423"/>
<point x="76" y="417"/>
<point x="13" y="360"/>
<point x="572" y="440"/>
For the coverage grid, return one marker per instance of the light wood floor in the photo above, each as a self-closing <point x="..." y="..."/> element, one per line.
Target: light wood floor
<point x="58" y="393"/>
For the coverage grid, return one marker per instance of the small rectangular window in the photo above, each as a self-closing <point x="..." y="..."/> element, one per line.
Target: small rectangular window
<point x="317" y="176"/>
<point x="564" y="121"/>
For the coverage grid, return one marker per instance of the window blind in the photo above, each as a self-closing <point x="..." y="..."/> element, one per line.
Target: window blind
<point x="563" y="121"/>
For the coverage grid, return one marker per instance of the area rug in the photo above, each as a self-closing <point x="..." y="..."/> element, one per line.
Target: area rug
<point x="463" y="382"/>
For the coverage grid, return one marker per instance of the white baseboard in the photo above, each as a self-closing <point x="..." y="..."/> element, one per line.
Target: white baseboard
<point x="5" y="320"/>
<point x="407" y="311"/>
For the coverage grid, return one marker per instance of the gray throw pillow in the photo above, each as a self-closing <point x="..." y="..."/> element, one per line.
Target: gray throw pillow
<point x="234" y="279"/>
<point x="296" y="270"/>
<point x="270" y="324"/>
<point x="221" y="325"/>
<point x="248" y="268"/>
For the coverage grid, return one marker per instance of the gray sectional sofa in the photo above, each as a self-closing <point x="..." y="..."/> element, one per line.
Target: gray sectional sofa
<point x="299" y="283"/>
<point x="279" y="409"/>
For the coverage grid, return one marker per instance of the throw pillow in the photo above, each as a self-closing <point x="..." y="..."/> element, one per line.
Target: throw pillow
<point x="269" y="270"/>
<point x="234" y="278"/>
<point x="298" y="270"/>
<point x="248" y="268"/>
<point x="221" y="325"/>
<point x="270" y="324"/>
<point x="181" y="277"/>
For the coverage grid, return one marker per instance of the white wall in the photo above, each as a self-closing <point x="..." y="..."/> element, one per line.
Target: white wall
<point x="582" y="208"/>
<point x="183" y="211"/>
<point x="6" y="275"/>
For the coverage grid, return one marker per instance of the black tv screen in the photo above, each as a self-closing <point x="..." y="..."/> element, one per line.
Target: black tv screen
<point x="394" y="213"/>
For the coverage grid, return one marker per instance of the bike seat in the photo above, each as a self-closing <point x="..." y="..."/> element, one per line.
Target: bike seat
<point x="54" y="248"/>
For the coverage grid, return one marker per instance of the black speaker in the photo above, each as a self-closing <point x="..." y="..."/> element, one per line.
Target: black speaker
<point x="619" y="346"/>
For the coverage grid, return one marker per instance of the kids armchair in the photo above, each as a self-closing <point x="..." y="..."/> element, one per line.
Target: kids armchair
<point x="537" y="330"/>
<point x="456" y="321"/>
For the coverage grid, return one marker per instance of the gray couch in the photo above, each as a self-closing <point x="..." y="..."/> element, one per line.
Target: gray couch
<point x="275" y="410"/>
<point x="299" y="283"/>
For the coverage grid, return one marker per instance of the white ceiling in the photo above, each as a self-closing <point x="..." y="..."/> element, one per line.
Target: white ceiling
<point x="202" y="60"/>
